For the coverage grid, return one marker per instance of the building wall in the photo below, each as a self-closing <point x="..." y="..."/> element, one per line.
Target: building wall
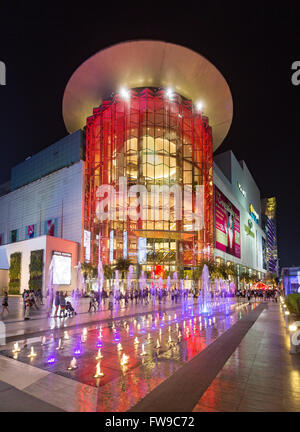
<point x="57" y="196"/>
<point x="3" y="280"/>
<point x="64" y="152"/>
<point x="251" y="247"/>
<point x="48" y="244"/>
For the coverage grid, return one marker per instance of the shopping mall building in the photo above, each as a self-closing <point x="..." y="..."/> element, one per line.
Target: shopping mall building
<point x="136" y="177"/>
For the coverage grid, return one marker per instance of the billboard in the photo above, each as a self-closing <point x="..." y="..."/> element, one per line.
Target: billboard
<point x="62" y="266"/>
<point x="227" y="225"/>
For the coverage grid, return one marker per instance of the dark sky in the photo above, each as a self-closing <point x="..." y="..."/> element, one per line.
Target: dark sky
<point x="252" y="45"/>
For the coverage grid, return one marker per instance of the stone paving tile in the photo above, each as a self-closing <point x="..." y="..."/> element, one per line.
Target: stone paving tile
<point x="270" y="377"/>
<point x="64" y="393"/>
<point x="18" y="374"/>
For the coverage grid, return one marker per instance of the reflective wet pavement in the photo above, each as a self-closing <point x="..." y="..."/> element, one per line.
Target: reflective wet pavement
<point x="181" y="333"/>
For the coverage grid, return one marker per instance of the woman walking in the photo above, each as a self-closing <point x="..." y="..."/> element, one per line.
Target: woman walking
<point x="5" y="303"/>
<point x="56" y="303"/>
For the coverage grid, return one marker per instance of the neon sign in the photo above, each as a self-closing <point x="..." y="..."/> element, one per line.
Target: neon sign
<point x="254" y="214"/>
<point x="243" y="192"/>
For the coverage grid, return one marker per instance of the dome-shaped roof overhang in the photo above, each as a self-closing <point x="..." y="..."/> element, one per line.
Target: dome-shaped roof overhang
<point x="150" y="63"/>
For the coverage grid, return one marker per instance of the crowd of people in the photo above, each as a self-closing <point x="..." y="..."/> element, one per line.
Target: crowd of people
<point x="265" y="295"/>
<point x="61" y="302"/>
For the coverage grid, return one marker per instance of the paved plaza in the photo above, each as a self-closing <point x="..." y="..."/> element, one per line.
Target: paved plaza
<point x="155" y="357"/>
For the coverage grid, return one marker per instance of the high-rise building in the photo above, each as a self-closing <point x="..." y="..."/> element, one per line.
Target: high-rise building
<point x="269" y="226"/>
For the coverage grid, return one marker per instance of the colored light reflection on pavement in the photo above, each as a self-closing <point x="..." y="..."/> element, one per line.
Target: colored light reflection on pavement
<point x="181" y="337"/>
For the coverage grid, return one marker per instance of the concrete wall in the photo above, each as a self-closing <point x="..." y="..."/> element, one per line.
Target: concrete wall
<point x="55" y="196"/>
<point x="3" y="281"/>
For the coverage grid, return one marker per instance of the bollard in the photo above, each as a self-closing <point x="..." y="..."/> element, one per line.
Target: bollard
<point x="294" y="337"/>
<point x="286" y="318"/>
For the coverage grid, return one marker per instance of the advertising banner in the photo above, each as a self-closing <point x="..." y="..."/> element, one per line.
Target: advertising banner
<point x="227" y="225"/>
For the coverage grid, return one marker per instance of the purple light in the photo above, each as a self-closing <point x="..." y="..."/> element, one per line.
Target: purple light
<point x="99" y="344"/>
<point x="51" y="360"/>
<point x="77" y="351"/>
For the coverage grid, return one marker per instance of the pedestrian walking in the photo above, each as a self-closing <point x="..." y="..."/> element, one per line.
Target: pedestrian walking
<point x="5" y="303"/>
<point x="92" y="302"/>
<point x="111" y="303"/>
<point x="56" y="303"/>
<point x="62" y="303"/>
<point x="27" y="306"/>
<point x="126" y="297"/>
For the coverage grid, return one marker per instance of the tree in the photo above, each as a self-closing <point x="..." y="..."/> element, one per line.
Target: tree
<point x="270" y="277"/>
<point x="231" y="271"/>
<point x="88" y="271"/>
<point x="108" y="272"/>
<point x="245" y="278"/>
<point x="123" y="265"/>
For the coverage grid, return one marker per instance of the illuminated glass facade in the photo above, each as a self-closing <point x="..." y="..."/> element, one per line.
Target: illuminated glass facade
<point x="269" y="226"/>
<point x="149" y="137"/>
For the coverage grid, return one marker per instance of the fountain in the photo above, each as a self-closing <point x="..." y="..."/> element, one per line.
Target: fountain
<point x="157" y="344"/>
<point x="142" y="283"/>
<point x="129" y="277"/>
<point x="160" y="286"/>
<point x="100" y="280"/>
<point x="60" y="346"/>
<point x="169" y="284"/>
<point x="16" y="348"/>
<point x="98" y="373"/>
<point x="143" y="353"/>
<point x="32" y="353"/>
<point x="117" y="283"/>
<point x="124" y="359"/>
<point x="205" y="289"/>
<point x="73" y="364"/>
<point x="175" y="279"/>
<point x="99" y="354"/>
<point x="50" y="295"/>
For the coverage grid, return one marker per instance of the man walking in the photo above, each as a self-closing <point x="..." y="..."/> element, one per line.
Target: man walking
<point x="5" y="303"/>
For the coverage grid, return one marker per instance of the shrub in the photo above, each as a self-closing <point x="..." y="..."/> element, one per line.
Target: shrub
<point x="36" y="269"/>
<point x="15" y="273"/>
<point x="293" y="303"/>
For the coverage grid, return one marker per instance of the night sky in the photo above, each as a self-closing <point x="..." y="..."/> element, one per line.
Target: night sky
<point x="252" y="46"/>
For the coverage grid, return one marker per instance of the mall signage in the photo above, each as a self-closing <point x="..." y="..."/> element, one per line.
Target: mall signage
<point x="248" y="228"/>
<point x="227" y="225"/>
<point x="243" y="192"/>
<point x="253" y="214"/>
